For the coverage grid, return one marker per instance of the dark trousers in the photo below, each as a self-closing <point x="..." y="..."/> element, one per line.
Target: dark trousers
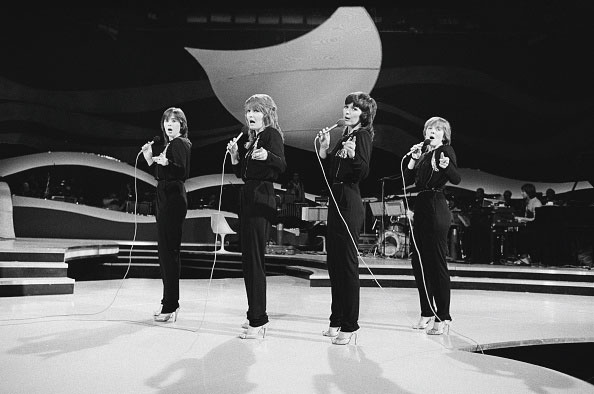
<point x="258" y="208"/>
<point x="432" y="218"/>
<point x="172" y="206"/>
<point x="342" y="255"/>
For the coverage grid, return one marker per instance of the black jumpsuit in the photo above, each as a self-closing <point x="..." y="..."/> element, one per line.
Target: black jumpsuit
<point x="257" y="213"/>
<point x="432" y="219"/>
<point x="342" y="255"/>
<point x="172" y="206"/>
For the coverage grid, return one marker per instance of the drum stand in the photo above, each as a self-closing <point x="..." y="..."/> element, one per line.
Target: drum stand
<point x="398" y="209"/>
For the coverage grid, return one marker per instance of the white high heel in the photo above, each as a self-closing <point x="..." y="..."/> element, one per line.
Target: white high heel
<point x="245" y="325"/>
<point x="439" y="327"/>
<point x="157" y="312"/>
<point x="344" y="338"/>
<point x="331" y="332"/>
<point x="165" y="317"/>
<point x="254" y="332"/>
<point x="423" y="322"/>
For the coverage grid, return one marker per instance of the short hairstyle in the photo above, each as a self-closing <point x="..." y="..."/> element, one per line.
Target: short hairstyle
<point x="366" y="104"/>
<point x="439" y="122"/>
<point x="178" y="114"/>
<point x="263" y="103"/>
<point x="529" y="189"/>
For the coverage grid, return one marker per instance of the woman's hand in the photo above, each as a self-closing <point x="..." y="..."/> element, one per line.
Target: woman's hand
<point x="349" y="146"/>
<point x="233" y="151"/>
<point x="416" y="151"/>
<point x="147" y="152"/>
<point x="444" y="161"/>
<point x="259" y="154"/>
<point x="161" y="160"/>
<point x="324" y="137"/>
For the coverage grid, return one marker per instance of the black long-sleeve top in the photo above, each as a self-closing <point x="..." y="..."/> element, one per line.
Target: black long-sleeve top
<point x="427" y="174"/>
<point x="262" y="170"/>
<point x="353" y="170"/>
<point x="178" y="153"/>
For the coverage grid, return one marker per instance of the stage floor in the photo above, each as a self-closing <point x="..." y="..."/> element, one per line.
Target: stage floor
<point x="102" y="339"/>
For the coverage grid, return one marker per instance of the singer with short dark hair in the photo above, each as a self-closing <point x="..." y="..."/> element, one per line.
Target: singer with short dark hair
<point x="171" y="169"/>
<point x="259" y="162"/>
<point x="432" y="164"/>
<point x="348" y="164"/>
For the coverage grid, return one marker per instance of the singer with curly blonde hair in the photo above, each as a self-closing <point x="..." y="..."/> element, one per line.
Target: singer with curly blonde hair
<point x="259" y="162"/>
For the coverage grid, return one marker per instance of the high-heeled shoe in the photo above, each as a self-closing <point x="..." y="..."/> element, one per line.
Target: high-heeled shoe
<point x="344" y="338"/>
<point x="254" y="332"/>
<point x="423" y="322"/>
<point x="165" y="317"/>
<point x="245" y="325"/>
<point x="439" y="327"/>
<point x="331" y="332"/>
<point x="157" y="312"/>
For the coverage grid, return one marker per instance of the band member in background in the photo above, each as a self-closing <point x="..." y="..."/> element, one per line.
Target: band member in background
<point x="527" y="238"/>
<point x="259" y="163"/>
<point x="348" y="165"/>
<point x="431" y="168"/>
<point x="172" y="168"/>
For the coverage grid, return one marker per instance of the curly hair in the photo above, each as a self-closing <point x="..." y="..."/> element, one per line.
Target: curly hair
<point x="366" y="104"/>
<point x="263" y="103"/>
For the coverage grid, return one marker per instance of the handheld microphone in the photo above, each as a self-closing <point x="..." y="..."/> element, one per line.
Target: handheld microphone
<point x="155" y="139"/>
<point x="425" y="143"/>
<point x="238" y="136"/>
<point x="339" y="123"/>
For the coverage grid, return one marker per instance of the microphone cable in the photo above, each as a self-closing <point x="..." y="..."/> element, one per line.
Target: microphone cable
<point x="215" y="245"/>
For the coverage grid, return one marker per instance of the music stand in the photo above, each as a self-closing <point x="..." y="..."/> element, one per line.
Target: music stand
<point x="390" y="208"/>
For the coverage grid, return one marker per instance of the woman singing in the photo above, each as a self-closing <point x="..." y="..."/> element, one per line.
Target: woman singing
<point x="172" y="168"/>
<point x="259" y="164"/>
<point x="348" y="165"/>
<point x="431" y="170"/>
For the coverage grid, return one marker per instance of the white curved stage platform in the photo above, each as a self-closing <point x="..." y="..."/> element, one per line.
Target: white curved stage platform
<point x="102" y="339"/>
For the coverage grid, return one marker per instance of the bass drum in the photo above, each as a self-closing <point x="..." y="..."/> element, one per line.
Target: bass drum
<point x="392" y="243"/>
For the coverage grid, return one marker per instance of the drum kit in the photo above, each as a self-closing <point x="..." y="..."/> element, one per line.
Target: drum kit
<point x="392" y="239"/>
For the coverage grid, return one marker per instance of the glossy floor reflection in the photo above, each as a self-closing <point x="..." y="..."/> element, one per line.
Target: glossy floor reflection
<point x="102" y="339"/>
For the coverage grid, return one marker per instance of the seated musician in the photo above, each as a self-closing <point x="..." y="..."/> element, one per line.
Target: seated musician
<point x="527" y="242"/>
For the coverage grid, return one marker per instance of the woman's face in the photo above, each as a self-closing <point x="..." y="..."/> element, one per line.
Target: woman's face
<point x="172" y="127"/>
<point x="351" y="115"/>
<point x="255" y="119"/>
<point x="435" y="134"/>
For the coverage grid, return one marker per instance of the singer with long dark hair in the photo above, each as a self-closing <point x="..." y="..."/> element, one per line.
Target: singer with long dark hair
<point x="432" y="164"/>
<point x="348" y="164"/>
<point x="258" y="163"/>
<point x="171" y="169"/>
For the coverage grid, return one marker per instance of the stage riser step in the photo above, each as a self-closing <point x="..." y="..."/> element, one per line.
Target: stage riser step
<point x="30" y="272"/>
<point x="32" y="256"/>
<point x="403" y="283"/>
<point x="14" y="287"/>
<point x="150" y="270"/>
<point x="528" y="274"/>
<point x="33" y="290"/>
